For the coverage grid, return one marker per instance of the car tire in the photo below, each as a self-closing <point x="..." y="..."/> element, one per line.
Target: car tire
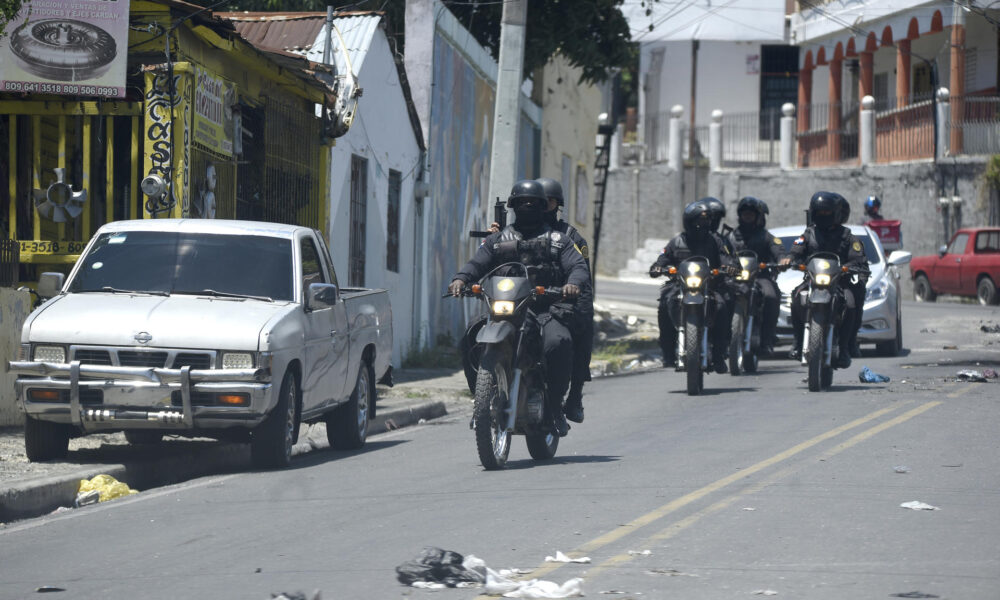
<point x="894" y="346"/>
<point x="347" y="425"/>
<point x="271" y="442"/>
<point x="986" y="291"/>
<point x="922" y="291"/>
<point x="45" y="441"/>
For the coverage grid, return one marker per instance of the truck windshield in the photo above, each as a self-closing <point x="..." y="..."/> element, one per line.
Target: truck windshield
<point x="157" y="262"/>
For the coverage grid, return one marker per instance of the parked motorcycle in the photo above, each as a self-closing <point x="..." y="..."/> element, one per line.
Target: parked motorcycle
<point x="697" y="309"/>
<point x="748" y="309"/>
<point x="511" y="395"/>
<point x="825" y="311"/>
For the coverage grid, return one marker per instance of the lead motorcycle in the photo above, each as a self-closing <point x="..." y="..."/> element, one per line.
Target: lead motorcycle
<point x="697" y="311"/>
<point x="825" y="303"/>
<point x="748" y="313"/>
<point x="511" y="393"/>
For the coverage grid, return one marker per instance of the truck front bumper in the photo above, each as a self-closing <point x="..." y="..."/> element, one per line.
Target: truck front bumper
<point x="99" y="397"/>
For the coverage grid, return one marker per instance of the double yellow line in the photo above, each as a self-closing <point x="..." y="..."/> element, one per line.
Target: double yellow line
<point x="676" y="527"/>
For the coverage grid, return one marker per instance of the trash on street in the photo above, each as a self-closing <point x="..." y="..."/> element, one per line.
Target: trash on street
<point x="562" y="558"/>
<point x="101" y="488"/>
<point x="438" y="568"/>
<point x="866" y="375"/>
<point x="901" y="469"/>
<point x="917" y="505"/>
<point x="971" y="375"/>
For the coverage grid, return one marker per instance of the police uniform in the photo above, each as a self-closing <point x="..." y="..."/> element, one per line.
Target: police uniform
<point x="561" y="264"/>
<point x="677" y="250"/>
<point x="845" y="245"/>
<point x="768" y="249"/>
<point x="583" y="329"/>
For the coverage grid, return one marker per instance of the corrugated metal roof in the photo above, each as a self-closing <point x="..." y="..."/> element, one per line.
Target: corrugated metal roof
<point x="303" y="33"/>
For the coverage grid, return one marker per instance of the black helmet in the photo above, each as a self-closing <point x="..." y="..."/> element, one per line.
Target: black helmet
<point x="825" y="209"/>
<point x="697" y="219"/>
<point x="756" y="205"/>
<point x="716" y="209"/>
<point x="553" y="189"/>
<point x="845" y="210"/>
<point x="527" y="200"/>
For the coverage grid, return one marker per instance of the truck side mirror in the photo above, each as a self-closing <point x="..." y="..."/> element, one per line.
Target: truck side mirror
<point x="321" y="295"/>
<point x="50" y="284"/>
<point x="943" y="250"/>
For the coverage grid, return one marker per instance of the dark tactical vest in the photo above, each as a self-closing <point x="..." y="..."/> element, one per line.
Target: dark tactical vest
<point x="542" y="251"/>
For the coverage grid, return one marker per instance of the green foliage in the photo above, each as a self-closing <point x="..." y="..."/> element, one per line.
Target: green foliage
<point x="992" y="174"/>
<point x="9" y="10"/>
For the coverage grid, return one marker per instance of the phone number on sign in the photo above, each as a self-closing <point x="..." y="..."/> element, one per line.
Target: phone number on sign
<point x="50" y="247"/>
<point x="59" y="88"/>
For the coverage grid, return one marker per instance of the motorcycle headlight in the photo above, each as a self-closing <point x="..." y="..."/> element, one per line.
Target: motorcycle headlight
<point x="52" y="354"/>
<point x="877" y="291"/>
<point x="743" y="276"/>
<point x="693" y="281"/>
<point x="237" y="360"/>
<point x="822" y="279"/>
<point x="503" y="307"/>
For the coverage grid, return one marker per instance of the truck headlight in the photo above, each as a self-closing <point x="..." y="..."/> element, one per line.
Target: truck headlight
<point x="503" y="307"/>
<point x="693" y="281"/>
<point x="52" y="354"/>
<point x="237" y="360"/>
<point x="822" y="279"/>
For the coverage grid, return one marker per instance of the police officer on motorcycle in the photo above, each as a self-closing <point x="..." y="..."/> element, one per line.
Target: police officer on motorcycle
<point x="751" y="234"/>
<point x="827" y="213"/>
<point x="530" y="240"/>
<point x="717" y="212"/>
<point x="697" y="239"/>
<point x="583" y="331"/>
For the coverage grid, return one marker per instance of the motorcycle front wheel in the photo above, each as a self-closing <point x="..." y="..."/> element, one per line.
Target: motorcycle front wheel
<point x="542" y="446"/>
<point x="816" y="350"/>
<point x="692" y="359"/>
<point x="736" y="357"/>
<point x="488" y="419"/>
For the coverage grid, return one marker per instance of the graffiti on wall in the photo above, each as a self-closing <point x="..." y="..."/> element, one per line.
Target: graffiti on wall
<point x="161" y="140"/>
<point x="459" y="155"/>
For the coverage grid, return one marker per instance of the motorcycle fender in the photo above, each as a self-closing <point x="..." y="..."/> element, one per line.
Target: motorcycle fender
<point x="693" y="298"/>
<point x="494" y="332"/>
<point x="820" y="297"/>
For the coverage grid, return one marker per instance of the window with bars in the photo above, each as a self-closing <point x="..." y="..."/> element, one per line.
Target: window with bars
<point x="359" y="221"/>
<point x="392" y="222"/>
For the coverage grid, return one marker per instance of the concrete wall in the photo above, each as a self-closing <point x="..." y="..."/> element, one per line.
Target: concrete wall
<point x="381" y="134"/>
<point x="14" y="309"/>
<point x="569" y="129"/>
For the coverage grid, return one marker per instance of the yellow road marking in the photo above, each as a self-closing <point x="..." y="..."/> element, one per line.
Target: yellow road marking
<point x="675" y="528"/>
<point x="651" y="517"/>
<point x="961" y="391"/>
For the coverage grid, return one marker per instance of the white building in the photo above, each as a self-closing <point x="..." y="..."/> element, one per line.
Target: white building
<point x="374" y="166"/>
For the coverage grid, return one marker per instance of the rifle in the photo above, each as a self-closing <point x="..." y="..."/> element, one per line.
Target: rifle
<point x="499" y="216"/>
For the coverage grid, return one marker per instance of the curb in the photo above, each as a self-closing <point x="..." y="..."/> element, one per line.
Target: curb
<point x="30" y="498"/>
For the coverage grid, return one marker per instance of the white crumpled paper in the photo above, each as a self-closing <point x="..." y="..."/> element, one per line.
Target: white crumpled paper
<point x="497" y="584"/>
<point x="917" y="505"/>
<point x="562" y="558"/>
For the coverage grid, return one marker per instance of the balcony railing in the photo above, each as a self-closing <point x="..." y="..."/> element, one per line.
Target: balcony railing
<point x="831" y="137"/>
<point x="906" y="132"/>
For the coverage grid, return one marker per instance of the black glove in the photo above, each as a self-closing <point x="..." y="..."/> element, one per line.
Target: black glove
<point x="655" y="271"/>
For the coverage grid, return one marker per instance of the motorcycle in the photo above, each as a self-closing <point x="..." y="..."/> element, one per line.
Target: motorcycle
<point x="825" y="311"/>
<point x="748" y="309"/>
<point x="697" y="308"/>
<point x="511" y="395"/>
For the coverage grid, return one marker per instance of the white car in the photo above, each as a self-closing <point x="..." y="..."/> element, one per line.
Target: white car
<point x="883" y="317"/>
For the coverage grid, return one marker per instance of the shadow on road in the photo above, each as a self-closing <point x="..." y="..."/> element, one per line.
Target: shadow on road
<point x="562" y="460"/>
<point x="710" y="391"/>
<point x="325" y="455"/>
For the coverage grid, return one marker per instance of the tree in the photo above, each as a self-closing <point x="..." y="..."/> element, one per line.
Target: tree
<point x="591" y="34"/>
<point x="8" y="11"/>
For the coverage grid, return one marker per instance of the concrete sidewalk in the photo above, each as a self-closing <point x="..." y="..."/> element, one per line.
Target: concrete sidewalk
<point x="30" y="490"/>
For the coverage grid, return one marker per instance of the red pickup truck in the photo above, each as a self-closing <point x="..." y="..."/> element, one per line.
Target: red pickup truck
<point x="969" y="265"/>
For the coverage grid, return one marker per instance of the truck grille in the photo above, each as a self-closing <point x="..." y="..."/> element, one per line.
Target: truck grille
<point x="131" y="358"/>
<point x="92" y="357"/>
<point x="195" y="361"/>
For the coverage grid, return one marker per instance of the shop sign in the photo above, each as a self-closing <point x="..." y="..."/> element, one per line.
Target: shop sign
<point x="66" y="47"/>
<point x="213" y="112"/>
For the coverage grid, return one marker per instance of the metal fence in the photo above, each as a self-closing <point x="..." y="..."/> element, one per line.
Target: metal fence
<point x="978" y="127"/>
<point x="831" y="137"/>
<point x="657" y="130"/>
<point x="905" y="129"/>
<point x="751" y="139"/>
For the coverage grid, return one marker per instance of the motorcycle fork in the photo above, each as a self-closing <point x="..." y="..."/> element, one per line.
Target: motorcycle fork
<point x="515" y="387"/>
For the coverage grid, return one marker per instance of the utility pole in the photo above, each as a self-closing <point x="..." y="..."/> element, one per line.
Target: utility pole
<point x="506" y="111"/>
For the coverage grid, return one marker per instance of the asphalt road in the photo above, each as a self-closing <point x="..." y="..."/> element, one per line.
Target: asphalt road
<point x="756" y="486"/>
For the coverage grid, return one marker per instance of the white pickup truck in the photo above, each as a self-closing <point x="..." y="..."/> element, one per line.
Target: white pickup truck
<point x="208" y="328"/>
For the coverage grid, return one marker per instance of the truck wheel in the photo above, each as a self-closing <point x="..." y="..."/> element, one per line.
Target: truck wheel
<point x="347" y="426"/>
<point x="45" y="441"/>
<point x="922" y="291"/>
<point x="271" y="442"/>
<point x="140" y="437"/>
<point x="986" y="291"/>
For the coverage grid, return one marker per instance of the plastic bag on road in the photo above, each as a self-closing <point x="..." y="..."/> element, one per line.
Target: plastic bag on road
<point x="101" y="487"/>
<point x="497" y="584"/>
<point x="918" y="505"/>
<point x="438" y="568"/>
<point x="868" y="376"/>
<point x="971" y="375"/>
<point x="562" y="558"/>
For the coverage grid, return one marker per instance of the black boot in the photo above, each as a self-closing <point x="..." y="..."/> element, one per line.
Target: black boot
<point x="559" y="425"/>
<point x="719" y="363"/>
<point x="843" y="357"/>
<point x="573" y="409"/>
